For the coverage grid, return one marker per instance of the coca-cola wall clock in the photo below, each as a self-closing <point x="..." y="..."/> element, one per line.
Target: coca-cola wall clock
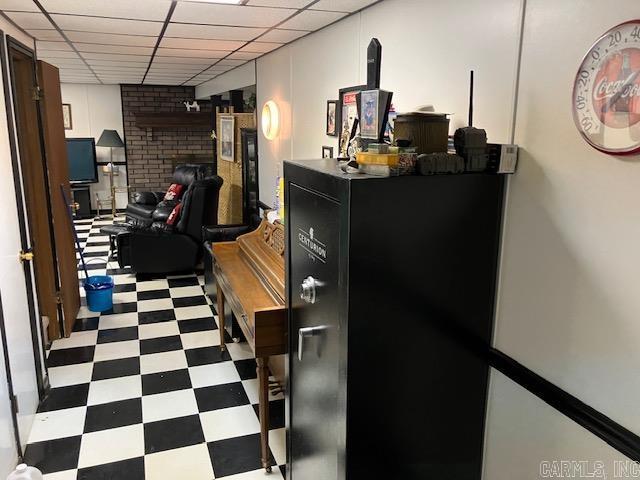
<point x="606" y="92"/>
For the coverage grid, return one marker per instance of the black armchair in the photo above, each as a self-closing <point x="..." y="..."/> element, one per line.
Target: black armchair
<point x="140" y="212"/>
<point x="163" y="248"/>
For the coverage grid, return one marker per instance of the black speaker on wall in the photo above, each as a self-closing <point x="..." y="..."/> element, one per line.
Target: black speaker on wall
<point x="249" y="139"/>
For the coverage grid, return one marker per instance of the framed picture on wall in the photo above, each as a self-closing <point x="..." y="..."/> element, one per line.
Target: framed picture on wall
<point x="370" y="113"/>
<point x="332" y="118"/>
<point x="227" y="140"/>
<point x="348" y="107"/>
<point x="66" y="116"/>
<point x="327" y="152"/>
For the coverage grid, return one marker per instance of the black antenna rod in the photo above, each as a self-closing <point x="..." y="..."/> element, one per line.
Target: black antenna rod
<point x="471" y="101"/>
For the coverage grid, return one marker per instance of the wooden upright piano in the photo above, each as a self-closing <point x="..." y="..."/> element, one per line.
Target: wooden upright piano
<point x="249" y="275"/>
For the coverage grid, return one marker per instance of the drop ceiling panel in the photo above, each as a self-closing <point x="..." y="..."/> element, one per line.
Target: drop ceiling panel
<point x="107" y="63"/>
<point x="40" y="45"/>
<point x="230" y="62"/>
<point x="114" y="56"/>
<point x="185" y="30"/>
<point x="280" y="3"/>
<point x="243" y="56"/>
<point x="342" y="5"/>
<point x="186" y="60"/>
<point x="111" y="39"/>
<point x="43" y="52"/>
<point x="181" y="52"/>
<point x="138" y="9"/>
<point x="260" y="47"/>
<point x="155" y="67"/>
<point x="45" y="34"/>
<point x="107" y="25"/>
<point x="282" y="36"/>
<point x="18" y="5"/>
<point x="125" y="50"/>
<point x="29" y="20"/>
<point x="312" y="20"/>
<point x="201" y="44"/>
<point x="243" y="16"/>
<point x="65" y="62"/>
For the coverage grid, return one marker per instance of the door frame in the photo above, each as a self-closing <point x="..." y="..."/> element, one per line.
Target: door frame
<point x="7" y="42"/>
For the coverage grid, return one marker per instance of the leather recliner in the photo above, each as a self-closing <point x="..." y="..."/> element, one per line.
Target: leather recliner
<point x="162" y="248"/>
<point x="140" y="212"/>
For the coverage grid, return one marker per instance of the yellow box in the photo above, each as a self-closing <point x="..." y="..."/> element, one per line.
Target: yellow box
<point x="367" y="158"/>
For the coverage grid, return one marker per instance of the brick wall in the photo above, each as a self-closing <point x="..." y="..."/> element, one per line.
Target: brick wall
<point x="150" y="154"/>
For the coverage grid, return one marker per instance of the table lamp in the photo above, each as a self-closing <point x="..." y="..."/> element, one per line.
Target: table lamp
<point x="111" y="139"/>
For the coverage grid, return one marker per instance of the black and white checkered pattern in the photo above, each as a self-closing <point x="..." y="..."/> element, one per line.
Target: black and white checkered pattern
<point x="144" y="392"/>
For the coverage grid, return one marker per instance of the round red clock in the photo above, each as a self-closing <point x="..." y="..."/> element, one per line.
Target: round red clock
<point x="606" y="92"/>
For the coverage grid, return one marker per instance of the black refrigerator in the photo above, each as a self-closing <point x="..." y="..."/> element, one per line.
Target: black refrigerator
<point x="390" y="291"/>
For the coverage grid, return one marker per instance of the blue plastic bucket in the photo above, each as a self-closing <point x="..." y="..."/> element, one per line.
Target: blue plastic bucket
<point x="99" y="290"/>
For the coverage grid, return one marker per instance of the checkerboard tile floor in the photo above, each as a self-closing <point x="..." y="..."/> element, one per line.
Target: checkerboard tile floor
<point x="144" y="392"/>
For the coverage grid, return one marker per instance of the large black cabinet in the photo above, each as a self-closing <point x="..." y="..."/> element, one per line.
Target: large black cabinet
<point x="390" y="287"/>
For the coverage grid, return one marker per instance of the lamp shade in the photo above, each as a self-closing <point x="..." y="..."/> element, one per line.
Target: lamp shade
<point x="110" y="138"/>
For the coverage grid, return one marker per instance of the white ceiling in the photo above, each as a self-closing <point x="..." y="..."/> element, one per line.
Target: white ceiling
<point x="181" y="42"/>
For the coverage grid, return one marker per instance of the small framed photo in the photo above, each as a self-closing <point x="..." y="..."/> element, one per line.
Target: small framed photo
<point x="327" y="152"/>
<point x="66" y="116"/>
<point x="370" y="113"/>
<point x="332" y="118"/>
<point x="227" y="140"/>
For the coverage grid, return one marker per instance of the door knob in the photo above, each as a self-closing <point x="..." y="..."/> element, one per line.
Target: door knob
<point x="307" y="332"/>
<point x="308" y="289"/>
<point x="25" y="256"/>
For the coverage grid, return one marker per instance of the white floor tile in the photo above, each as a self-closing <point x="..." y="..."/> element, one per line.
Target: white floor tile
<point x="152" y="285"/>
<point x="240" y="351"/>
<point x="252" y="386"/>
<point x="193" y="463"/>
<point x="153" y="305"/>
<point x="206" y="338"/>
<point x="118" y="320"/>
<point x="278" y="445"/>
<point x="125" y="297"/>
<point x="116" y="350"/>
<point x="76" y="339"/>
<point x="84" y="312"/>
<point x="97" y="238"/>
<point x="214" y="374"/>
<point x="95" y="248"/>
<point x="124" y="279"/>
<point x="163" y="406"/>
<point x="70" y="374"/>
<point x="114" y="389"/>
<point x="160" y="329"/>
<point x="257" y="475"/>
<point x="191" y="291"/>
<point x="229" y="422"/>
<point x="65" y="475"/>
<point x="199" y="311"/>
<point x="58" y="424"/>
<point x="111" y="445"/>
<point x="163" y="362"/>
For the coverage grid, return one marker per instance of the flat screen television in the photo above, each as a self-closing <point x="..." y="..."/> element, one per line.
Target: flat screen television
<point x="81" y="154"/>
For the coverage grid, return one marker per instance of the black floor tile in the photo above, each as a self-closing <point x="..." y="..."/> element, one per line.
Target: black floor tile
<point x="131" y="469"/>
<point x="183" y="282"/>
<point x="154" y="294"/>
<point x="122" y="308"/>
<point x="94" y="254"/>
<point x="246" y="368"/>
<point x="113" y="415"/>
<point x="65" y="397"/>
<point x="189" y="301"/>
<point x="70" y="356"/>
<point x="97" y="244"/>
<point x="165" y="382"/>
<point x="236" y="455"/>
<point x="94" y="266"/>
<point x="156" y="316"/>
<point x="117" y="334"/>
<point x="197" y="325"/>
<point x="221" y="396"/>
<point x="145" y="277"/>
<point x="283" y="470"/>
<point x="161" y="344"/>
<point x="54" y="455"/>
<point x="205" y="356"/>
<point x="173" y="433"/>
<point x="276" y="414"/>
<point x="120" y="271"/>
<point x="122" y="367"/>
<point x="126" y="287"/>
<point x="84" y="324"/>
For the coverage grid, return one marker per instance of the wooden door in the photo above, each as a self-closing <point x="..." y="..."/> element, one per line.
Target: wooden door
<point x="55" y="149"/>
<point x="35" y="183"/>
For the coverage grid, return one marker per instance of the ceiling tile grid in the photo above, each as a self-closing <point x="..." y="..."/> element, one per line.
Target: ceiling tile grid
<point x="181" y="42"/>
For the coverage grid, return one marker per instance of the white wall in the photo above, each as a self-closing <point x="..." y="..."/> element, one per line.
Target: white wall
<point x="568" y="304"/>
<point x="243" y="76"/>
<point x="95" y="108"/>
<point x="14" y="302"/>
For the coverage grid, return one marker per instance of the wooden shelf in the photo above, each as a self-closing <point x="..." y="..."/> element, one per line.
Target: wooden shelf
<point x="173" y="119"/>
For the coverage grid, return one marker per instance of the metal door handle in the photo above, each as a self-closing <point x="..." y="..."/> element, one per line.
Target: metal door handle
<point x="308" y="289"/>
<point x="307" y="332"/>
